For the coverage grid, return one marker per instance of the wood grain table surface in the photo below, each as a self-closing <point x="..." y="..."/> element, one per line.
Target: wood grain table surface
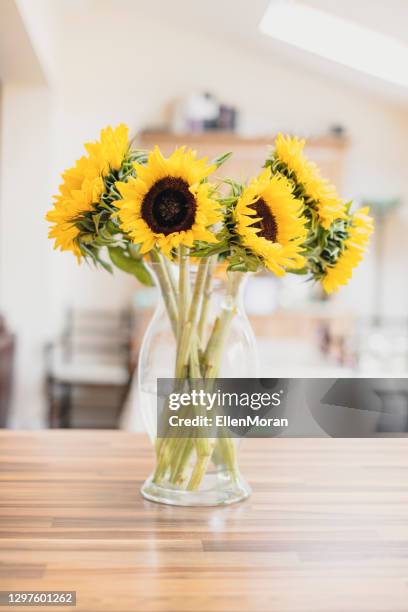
<point x="326" y="529"/>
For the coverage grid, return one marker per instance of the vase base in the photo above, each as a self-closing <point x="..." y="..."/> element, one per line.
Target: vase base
<point x="216" y="489"/>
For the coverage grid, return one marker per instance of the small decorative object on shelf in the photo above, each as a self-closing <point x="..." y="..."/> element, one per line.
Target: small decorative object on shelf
<point x="201" y="112"/>
<point x="165" y="221"/>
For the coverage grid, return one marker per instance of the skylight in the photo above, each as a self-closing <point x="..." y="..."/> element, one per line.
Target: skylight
<point x="337" y="39"/>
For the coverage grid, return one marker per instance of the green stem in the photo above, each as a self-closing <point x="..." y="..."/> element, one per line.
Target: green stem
<point x="175" y="453"/>
<point x="180" y="460"/>
<point x="166" y="289"/>
<point x="183" y="292"/>
<point x="198" y="290"/>
<point x="187" y="353"/>
<point x="195" y="368"/>
<point x="186" y="339"/>
<point x="170" y="275"/>
<point x="228" y="453"/>
<point x="213" y="352"/>
<point x="206" y="298"/>
<point x="204" y="453"/>
<point x="212" y="362"/>
<point x="187" y="356"/>
<point x="187" y="360"/>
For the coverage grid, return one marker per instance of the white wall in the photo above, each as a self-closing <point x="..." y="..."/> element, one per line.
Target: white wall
<point x="24" y="159"/>
<point x="24" y="286"/>
<point x="108" y="62"/>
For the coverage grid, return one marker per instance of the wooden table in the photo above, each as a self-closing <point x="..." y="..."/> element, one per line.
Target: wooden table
<point x="325" y="530"/>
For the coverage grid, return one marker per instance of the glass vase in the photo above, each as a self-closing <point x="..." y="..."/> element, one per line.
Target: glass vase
<point x="195" y="472"/>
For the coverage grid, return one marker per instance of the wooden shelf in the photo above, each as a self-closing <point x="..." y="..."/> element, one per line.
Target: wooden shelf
<point x="216" y="137"/>
<point x="249" y="153"/>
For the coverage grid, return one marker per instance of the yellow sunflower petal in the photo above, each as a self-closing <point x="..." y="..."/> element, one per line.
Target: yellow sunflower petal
<point x="354" y="248"/>
<point x="109" y="151"/>
<point x="330" y="207"/>
<point x="141" y="198"/>
<point x="83" y="185"/>
<point x="281" y="251"/>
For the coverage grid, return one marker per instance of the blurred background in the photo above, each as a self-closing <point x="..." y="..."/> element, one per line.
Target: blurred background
<point x="203" y="74"/>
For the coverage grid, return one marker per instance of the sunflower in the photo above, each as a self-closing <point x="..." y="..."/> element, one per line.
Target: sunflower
<point x="68" y="209"/>
<point x="109" y="152"/>
<point x="355" y="245"/>
<point x="83" y="185"/>
<point x="270" y="223"/>
<point x="318" y="192"/>
<point x="168" y="204"/>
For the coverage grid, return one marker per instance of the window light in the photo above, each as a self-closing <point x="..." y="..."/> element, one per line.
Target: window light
<point x="337" y="39"/>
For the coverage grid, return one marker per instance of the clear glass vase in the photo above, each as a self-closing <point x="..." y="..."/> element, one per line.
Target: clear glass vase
<point x="205" y="472"/>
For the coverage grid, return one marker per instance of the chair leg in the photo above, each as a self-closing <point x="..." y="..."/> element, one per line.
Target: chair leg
<point x="65" y="406"/>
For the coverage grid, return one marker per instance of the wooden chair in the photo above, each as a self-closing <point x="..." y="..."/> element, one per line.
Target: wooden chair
<point x="89" y="369"/>
<point x="7" y="345"/>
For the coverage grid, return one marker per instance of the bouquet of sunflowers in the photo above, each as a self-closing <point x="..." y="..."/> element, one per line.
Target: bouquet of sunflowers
<point x="124" y="207"/>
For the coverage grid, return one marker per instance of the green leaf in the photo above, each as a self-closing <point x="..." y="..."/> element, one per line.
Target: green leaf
<point x="87" y="238"/>
<point x="300" y="272"/>
<point x="238" y="267"/>
<point x="122" y="260"/>
<point x="221" y="159"/>
<point x="105" y="265"/>
<point x="236" y="188"/>
<point x="90" y="252"/>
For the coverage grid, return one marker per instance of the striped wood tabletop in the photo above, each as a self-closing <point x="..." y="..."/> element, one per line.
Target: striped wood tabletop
<point x="325" y="530"/>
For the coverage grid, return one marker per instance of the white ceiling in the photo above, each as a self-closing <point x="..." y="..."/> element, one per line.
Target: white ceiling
<point x="387" y="16"/>
<point x="21" y="66"/>
<point x="237" y="21"/>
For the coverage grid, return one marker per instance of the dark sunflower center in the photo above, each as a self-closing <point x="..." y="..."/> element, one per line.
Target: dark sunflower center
<point x="267" y="224"/>
<point x="169" y="206"/>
